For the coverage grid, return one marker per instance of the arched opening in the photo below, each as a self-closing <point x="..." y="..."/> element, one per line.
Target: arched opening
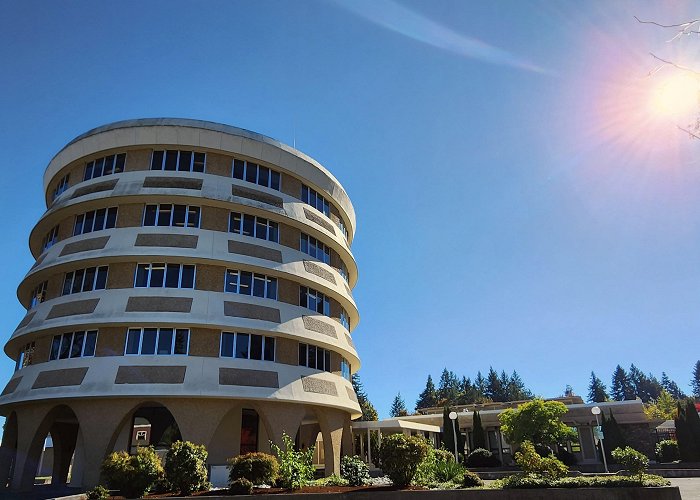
<point x="153" y="425"/>
<point x="59" y="429"/>
<point x="8" y="450"/>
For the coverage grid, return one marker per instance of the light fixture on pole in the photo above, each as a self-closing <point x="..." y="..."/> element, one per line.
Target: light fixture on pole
<point x="596" y="411"/>
<point x="453" y="417"/>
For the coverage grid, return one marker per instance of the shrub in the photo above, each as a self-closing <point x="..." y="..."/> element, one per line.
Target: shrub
<point x="240" y="486"/>
<point x="258" y="468"/>
<point x="354" y="470"/>
<point x="401" y="457"/>
<point x="132" y="475"/>
<point x="470" y="479"/>
<point x="532" y="463"/>
<point x="185" y="467"/>
<point x="332" y="480"/>
<point x="538" y="481"/>
<point x="448" y="470"/>
<point x="634" y="461"/>
<point x="482" y="458"/>
<point x="296" y="468"/>
<point x="99" y="492"/>
<point x="567" y="457"/>
<point x="667" y="451"/>
<point x="442" y="455"/>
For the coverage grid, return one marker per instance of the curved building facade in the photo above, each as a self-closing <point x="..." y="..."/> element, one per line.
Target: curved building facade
<point x="192" y="280"/>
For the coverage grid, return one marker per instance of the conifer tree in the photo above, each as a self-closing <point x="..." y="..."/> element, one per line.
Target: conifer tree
<point x="596" y="390"/>
<point x="671" y="387"/>
<point x="448" y="388"/>
<point x="427" y="398"/>
<point x="448" y="432"/>
<point x="621" y="389"/>
<point x="516" y="388"/>
<point x="398" y="407"/>
<point x="480" y="384"/>
<point x="494" y="388"/>
<point x="612" y="435"/>
<point x="478" y="435"/>
<point x="646" y="387"/>
<point x="369" y="413"/>
<point x="695" y="382"/>
<point x="688" y="440"/>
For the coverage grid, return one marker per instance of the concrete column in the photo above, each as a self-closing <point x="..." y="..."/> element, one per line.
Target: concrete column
<point x="78" y="469"/>
<point x="369" y="446"/>
<point x="587" y="443"/>
<point x="331" y="422"/>
<point x="63" y="435"/>
<point x="196" y="425"/>
<point x="281" y="418"/>
<point x="347" y="445"/>
<point x="8" y="450"/>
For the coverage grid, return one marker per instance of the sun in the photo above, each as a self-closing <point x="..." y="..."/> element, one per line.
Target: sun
<point x="676" y="96"/>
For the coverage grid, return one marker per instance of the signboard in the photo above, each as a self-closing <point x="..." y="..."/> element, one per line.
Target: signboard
<point x="598" y="432"/>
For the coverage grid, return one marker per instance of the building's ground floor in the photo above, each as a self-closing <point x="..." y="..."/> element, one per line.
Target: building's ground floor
<point x="83" y="432"/>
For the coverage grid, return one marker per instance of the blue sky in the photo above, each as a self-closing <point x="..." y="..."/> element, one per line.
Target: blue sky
<point x="518" y="204"/>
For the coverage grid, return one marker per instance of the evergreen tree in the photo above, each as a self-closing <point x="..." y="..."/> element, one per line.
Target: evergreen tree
<point x="695" y="382"/>
<point x="612" y="435"/>
<point x="480" y="384"/>
<point x="369" y="413"/>
<point x="646" y="387"/>
<point x="688" y="440"/>
<point x="516" y="388"/>
<point x="671" y="387"/>
<point x="427" y="398"/>
<point x="448" y="433"/>
<point x="596" y="390"/>
<point x="621" y="389"/>
<point x="494" y="388"/>
<point x="478" y="434"/>
<point x="693" y="420"/>
<point x="398" y="407"/>
<point x="448" y="388"/>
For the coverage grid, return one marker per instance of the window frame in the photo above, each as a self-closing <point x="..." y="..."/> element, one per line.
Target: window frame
<point x="95" y="280"/>
<point x="109" y="220"/>
<point x="324" y="299"/>
<point x="172" y="207"/>
<point x="60" y="340"/>
<point x="325" y="249"/>
<point x="268" y="280"/>
<point x="173" y="341"/>
<point x="149" y="275"/>
<point x="191" y="168"/>
<point x="38" y="294"/>
<point x="265" y="341"/>
<point x="61" y="186"/>
<point x="309" y="194"/>
<point x="319" y="353"/>
<point x="272" y="174"/>
<point x="272" y="227"/>
<point x="50" y="239"/>
<point x="116" y="159"/>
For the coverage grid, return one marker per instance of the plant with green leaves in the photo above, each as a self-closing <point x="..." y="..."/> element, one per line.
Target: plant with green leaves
<point x="471" y="479"/>
<point x="258" y="468"/>
<point x="185" y="467"/>
<point x="240" y="486"/>
<point x="635" y="461"/>
<point x="99" y="492"/>
<point x="133" y="475"/>
<point x="531" y="462"/>
<point x="354" y="470"/>
<point x="537" y="421"/>
<point x="401" y="455"/>
<point x="667" y="451"/>
<point x="332" y="480"/>
<point x="296" y="468"/>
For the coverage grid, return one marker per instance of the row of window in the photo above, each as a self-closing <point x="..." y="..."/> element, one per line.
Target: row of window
<point x="85" y="280"/>
<point x="192" y="161"/>
<point x="182" y="161"/>
<point x="248" y="283"/>
<point x="175" y="341"/>
<point x="95" y="220"/>
<point x="39" y="294"/>
<point x="160" y="275"/>
<point x="254" y="226"/>
<point x="247" y="346"/>
<point x="112" y="164"/>
<point x="171" y="215"/>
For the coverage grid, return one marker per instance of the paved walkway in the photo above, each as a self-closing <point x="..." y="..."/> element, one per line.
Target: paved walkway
<point x="689" y="486"/>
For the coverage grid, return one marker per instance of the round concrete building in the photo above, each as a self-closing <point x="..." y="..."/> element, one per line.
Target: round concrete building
<point x="192" y="281"/>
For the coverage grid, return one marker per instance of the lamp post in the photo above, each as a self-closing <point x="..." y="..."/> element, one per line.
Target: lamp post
<point x="453" y="417"/>
<point x="596" y="411"/>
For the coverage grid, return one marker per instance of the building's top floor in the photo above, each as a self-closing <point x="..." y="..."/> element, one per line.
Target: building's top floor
<point x="204" y="136"/>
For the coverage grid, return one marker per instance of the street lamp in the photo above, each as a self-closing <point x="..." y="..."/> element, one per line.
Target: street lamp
<point x="596" y="411"/>
<point x="453" y="417"/>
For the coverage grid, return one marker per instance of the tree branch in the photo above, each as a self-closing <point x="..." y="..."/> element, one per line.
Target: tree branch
<point x="671" y="63"/>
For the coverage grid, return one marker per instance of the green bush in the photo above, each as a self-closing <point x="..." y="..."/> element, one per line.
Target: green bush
<point x="132" y="475"/>
<point x="567" y="457"/>
<point x="523" y="481"/>
<point x="667" y="451"/>
<point x="482" y="458"/>
<point x="354" y="470"/>
<point x="258" y="468"/>
<point x="634" y="461"/>
<point x="470" y="479"/>
<point x="332" y="480"/>
<point x="401" y="457"/>
<point x="296" y="468"/>
<point x="532" y="463"/>
<point x="240" y="486"/>
<point x="185" y="467"/>
<point x="448" y="470"/>
<point x="442" y="455"/>
<point x="99" y="492"/>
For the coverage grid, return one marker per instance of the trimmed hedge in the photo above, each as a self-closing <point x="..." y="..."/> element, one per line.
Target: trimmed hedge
<point x="258" y="468"/>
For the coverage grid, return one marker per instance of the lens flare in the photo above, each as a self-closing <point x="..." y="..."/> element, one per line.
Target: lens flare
<point x="676" y="97"/>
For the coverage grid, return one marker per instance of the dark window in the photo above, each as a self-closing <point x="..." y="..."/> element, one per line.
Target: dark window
<point x="227" y="340"/>
<point x="171" y="215"/>
<point x="165" y="341"/>
<point x="183" y="161"/>
<point x="256" y="174"/>
<point x="148" y="344"/>
<point x="242" y="345"/>
<point x="256" y="346"/>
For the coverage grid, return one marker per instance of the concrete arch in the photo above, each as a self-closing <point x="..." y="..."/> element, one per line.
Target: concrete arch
<point x="8" y="450"/>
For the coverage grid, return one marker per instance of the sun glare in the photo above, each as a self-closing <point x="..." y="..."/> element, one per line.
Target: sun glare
<point x="676" y="96"/>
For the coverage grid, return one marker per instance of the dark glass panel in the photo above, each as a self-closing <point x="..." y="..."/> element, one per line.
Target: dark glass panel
<point x="148" y="345"/>
<point x="185" y="161"/>
<point x="256" y="347"/>
<point x="261" y="228"/>
<point x="109" y="165"/>
<point x="302" y="354"/>
<point x="275" y="180"/>
<point x="119" y="165"/>
<point x="90" y="342"/>
<point x="187" y="280"/>
<point x="100" y="219"/>
<point x="245" y="284"/>
<point x="258" y="285"/>
<point x="227" y="344"/>
<point x="327" y="360"/>
<point x="234" y="223"/>
<point x="157" y="160"/>
<point x="77" y="348"/>
<point x="182" y="337"/>
<point x="77" y="281"/>
<point x="251" y="172"/>
<point x="272" y="288"/>
<point x="199" y="161"/>
<point x="88" y="172"/>
<point x="89" y="221"/>
<point x="248" y="225"/>
<point x="65" y="345"/>
<point x="97" y="169"/>
<point x="274" y="232"/>
<point x="179" y="214"/>
<point x="231" y="284"/>
<point x="55" y="347"/>
<point x="111" y="218"/>
<point x="157" y="275"/>
<point x="264" y="176"/>
<point x="164" y="213"/>
<point x="101" y="281"/>
<point x="149" y="218"/>
<point x="172" y="276"/>
<point x="312" y="356"/>
<point x="78" y="228"/>
<point x="67" y="284"/>
<point x="171" y="160"/>
<point x="192" y="216"/>
<point x="238" y="169"/>
<point x="269" y="348"/>
<point x="133" y="337"/>
<point x="89" y="280"/>
<point x="165" y="341"/>
<point x="242" y="341"/>
<point x="141" y="275"/>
